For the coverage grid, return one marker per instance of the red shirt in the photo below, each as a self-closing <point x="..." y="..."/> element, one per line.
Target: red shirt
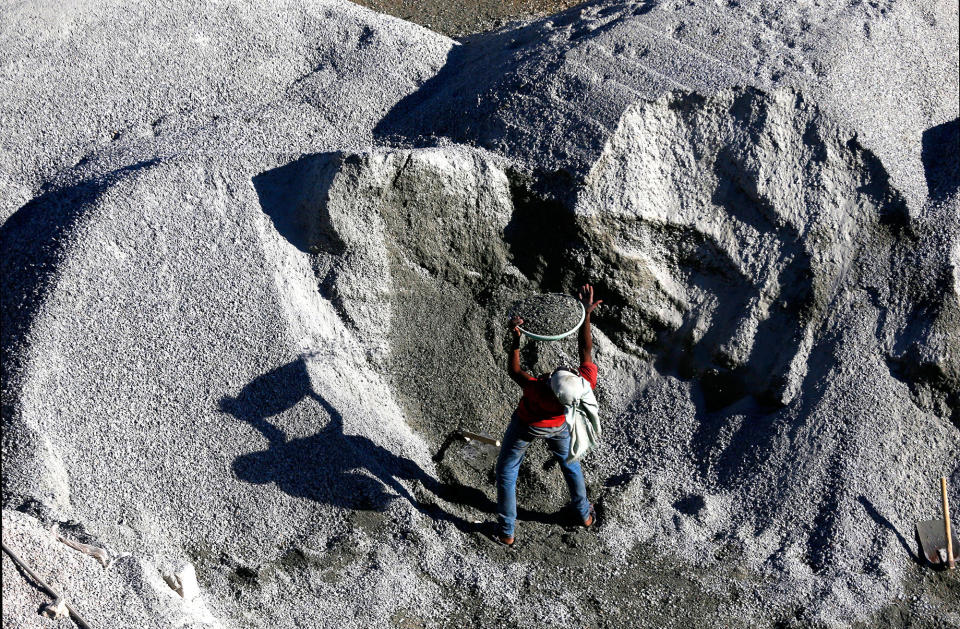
<point x="539" y="407"/>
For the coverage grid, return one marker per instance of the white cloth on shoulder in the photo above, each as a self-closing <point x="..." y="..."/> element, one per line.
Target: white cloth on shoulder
<point x="581" y="410"/>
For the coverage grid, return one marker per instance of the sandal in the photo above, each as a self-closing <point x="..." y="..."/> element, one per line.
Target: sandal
<point x="504" y="540"/>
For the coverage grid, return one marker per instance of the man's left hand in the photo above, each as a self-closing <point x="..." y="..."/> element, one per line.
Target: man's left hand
<point x="586" y="298"/>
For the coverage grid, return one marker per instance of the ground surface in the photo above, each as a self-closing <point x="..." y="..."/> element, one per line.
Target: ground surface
<point x="256" y="265"/>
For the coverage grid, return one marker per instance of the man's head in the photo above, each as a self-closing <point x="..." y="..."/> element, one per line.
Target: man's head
<point x="566" y="384"/>
<point x="547" y="376"/>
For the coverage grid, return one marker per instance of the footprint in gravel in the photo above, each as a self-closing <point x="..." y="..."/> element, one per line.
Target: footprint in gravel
<point x="572" y="540"/>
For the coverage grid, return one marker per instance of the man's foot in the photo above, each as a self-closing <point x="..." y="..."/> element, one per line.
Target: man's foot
<point x="506" y="540"/>
<point x="591" y="518"/>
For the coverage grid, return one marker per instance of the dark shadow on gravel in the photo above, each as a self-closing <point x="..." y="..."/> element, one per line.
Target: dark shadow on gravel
<point x="544" y="255"/>
<point x="887" y="524"/>
<point x="293" y="195"/>
<point x="331" y="467"/>
<point x="33" y="240"/>
<point x="941" y="145"/>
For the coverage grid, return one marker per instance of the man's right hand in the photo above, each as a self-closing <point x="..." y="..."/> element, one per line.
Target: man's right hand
<point x="514" y="325"/>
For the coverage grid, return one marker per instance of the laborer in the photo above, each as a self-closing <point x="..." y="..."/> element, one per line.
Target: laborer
<point x="540" y="415"/>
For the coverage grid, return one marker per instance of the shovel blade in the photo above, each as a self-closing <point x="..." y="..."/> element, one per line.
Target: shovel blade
<point x="933" y="541"/>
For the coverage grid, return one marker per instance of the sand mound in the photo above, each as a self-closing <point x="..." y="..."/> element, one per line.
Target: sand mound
<point x="244" y="335"/>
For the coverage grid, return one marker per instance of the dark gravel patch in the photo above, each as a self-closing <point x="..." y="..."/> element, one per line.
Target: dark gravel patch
<point x="456" y="19"/>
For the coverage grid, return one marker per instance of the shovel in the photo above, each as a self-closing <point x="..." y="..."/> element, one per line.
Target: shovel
<point x="473" y="436"/>
<point x="466" y="436"/>
<point x="937" y="541"/>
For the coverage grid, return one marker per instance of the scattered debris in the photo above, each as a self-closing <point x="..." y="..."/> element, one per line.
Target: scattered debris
<point x="58" y="604"/>
<point x="104" y="556"/>
<point x="55" y="610"/>
<point x="184" y="582"/>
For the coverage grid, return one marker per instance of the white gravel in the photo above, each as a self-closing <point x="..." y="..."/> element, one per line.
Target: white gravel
<point x="256" y="258"/>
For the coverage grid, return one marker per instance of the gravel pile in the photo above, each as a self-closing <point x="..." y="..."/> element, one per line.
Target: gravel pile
<point x="255" y="266"/>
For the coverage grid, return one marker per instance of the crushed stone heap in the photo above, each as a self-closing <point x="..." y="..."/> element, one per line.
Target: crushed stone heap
<point x="256" y="278"/>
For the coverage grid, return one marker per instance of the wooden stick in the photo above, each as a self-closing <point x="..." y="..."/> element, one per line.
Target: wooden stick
<point x="951" y="563"/>
<point x="49" y="590"/>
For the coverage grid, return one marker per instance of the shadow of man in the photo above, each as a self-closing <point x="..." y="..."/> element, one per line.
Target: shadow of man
<point x="348" y="471"/>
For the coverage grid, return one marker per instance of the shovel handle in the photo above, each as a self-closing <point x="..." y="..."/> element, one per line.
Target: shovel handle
<point x="951" y="562"/>
<point x="472" y="436"/>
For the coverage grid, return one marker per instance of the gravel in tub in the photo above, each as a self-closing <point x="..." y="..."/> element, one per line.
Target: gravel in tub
<point x="548" y="315"/>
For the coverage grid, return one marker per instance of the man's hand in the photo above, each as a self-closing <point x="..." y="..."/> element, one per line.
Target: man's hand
<point x="514" y="325"/>
<point x="513" y="364"/>
<point x="586" y="298"/>
<point x="585" y="343"/>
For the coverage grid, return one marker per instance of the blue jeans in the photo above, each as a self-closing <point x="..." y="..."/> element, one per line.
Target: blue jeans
<point x="515" y="442"/>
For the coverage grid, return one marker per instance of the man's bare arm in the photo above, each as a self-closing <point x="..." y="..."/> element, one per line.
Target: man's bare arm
<point x="585" y="339"/>
<point x="517" y="374"/>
